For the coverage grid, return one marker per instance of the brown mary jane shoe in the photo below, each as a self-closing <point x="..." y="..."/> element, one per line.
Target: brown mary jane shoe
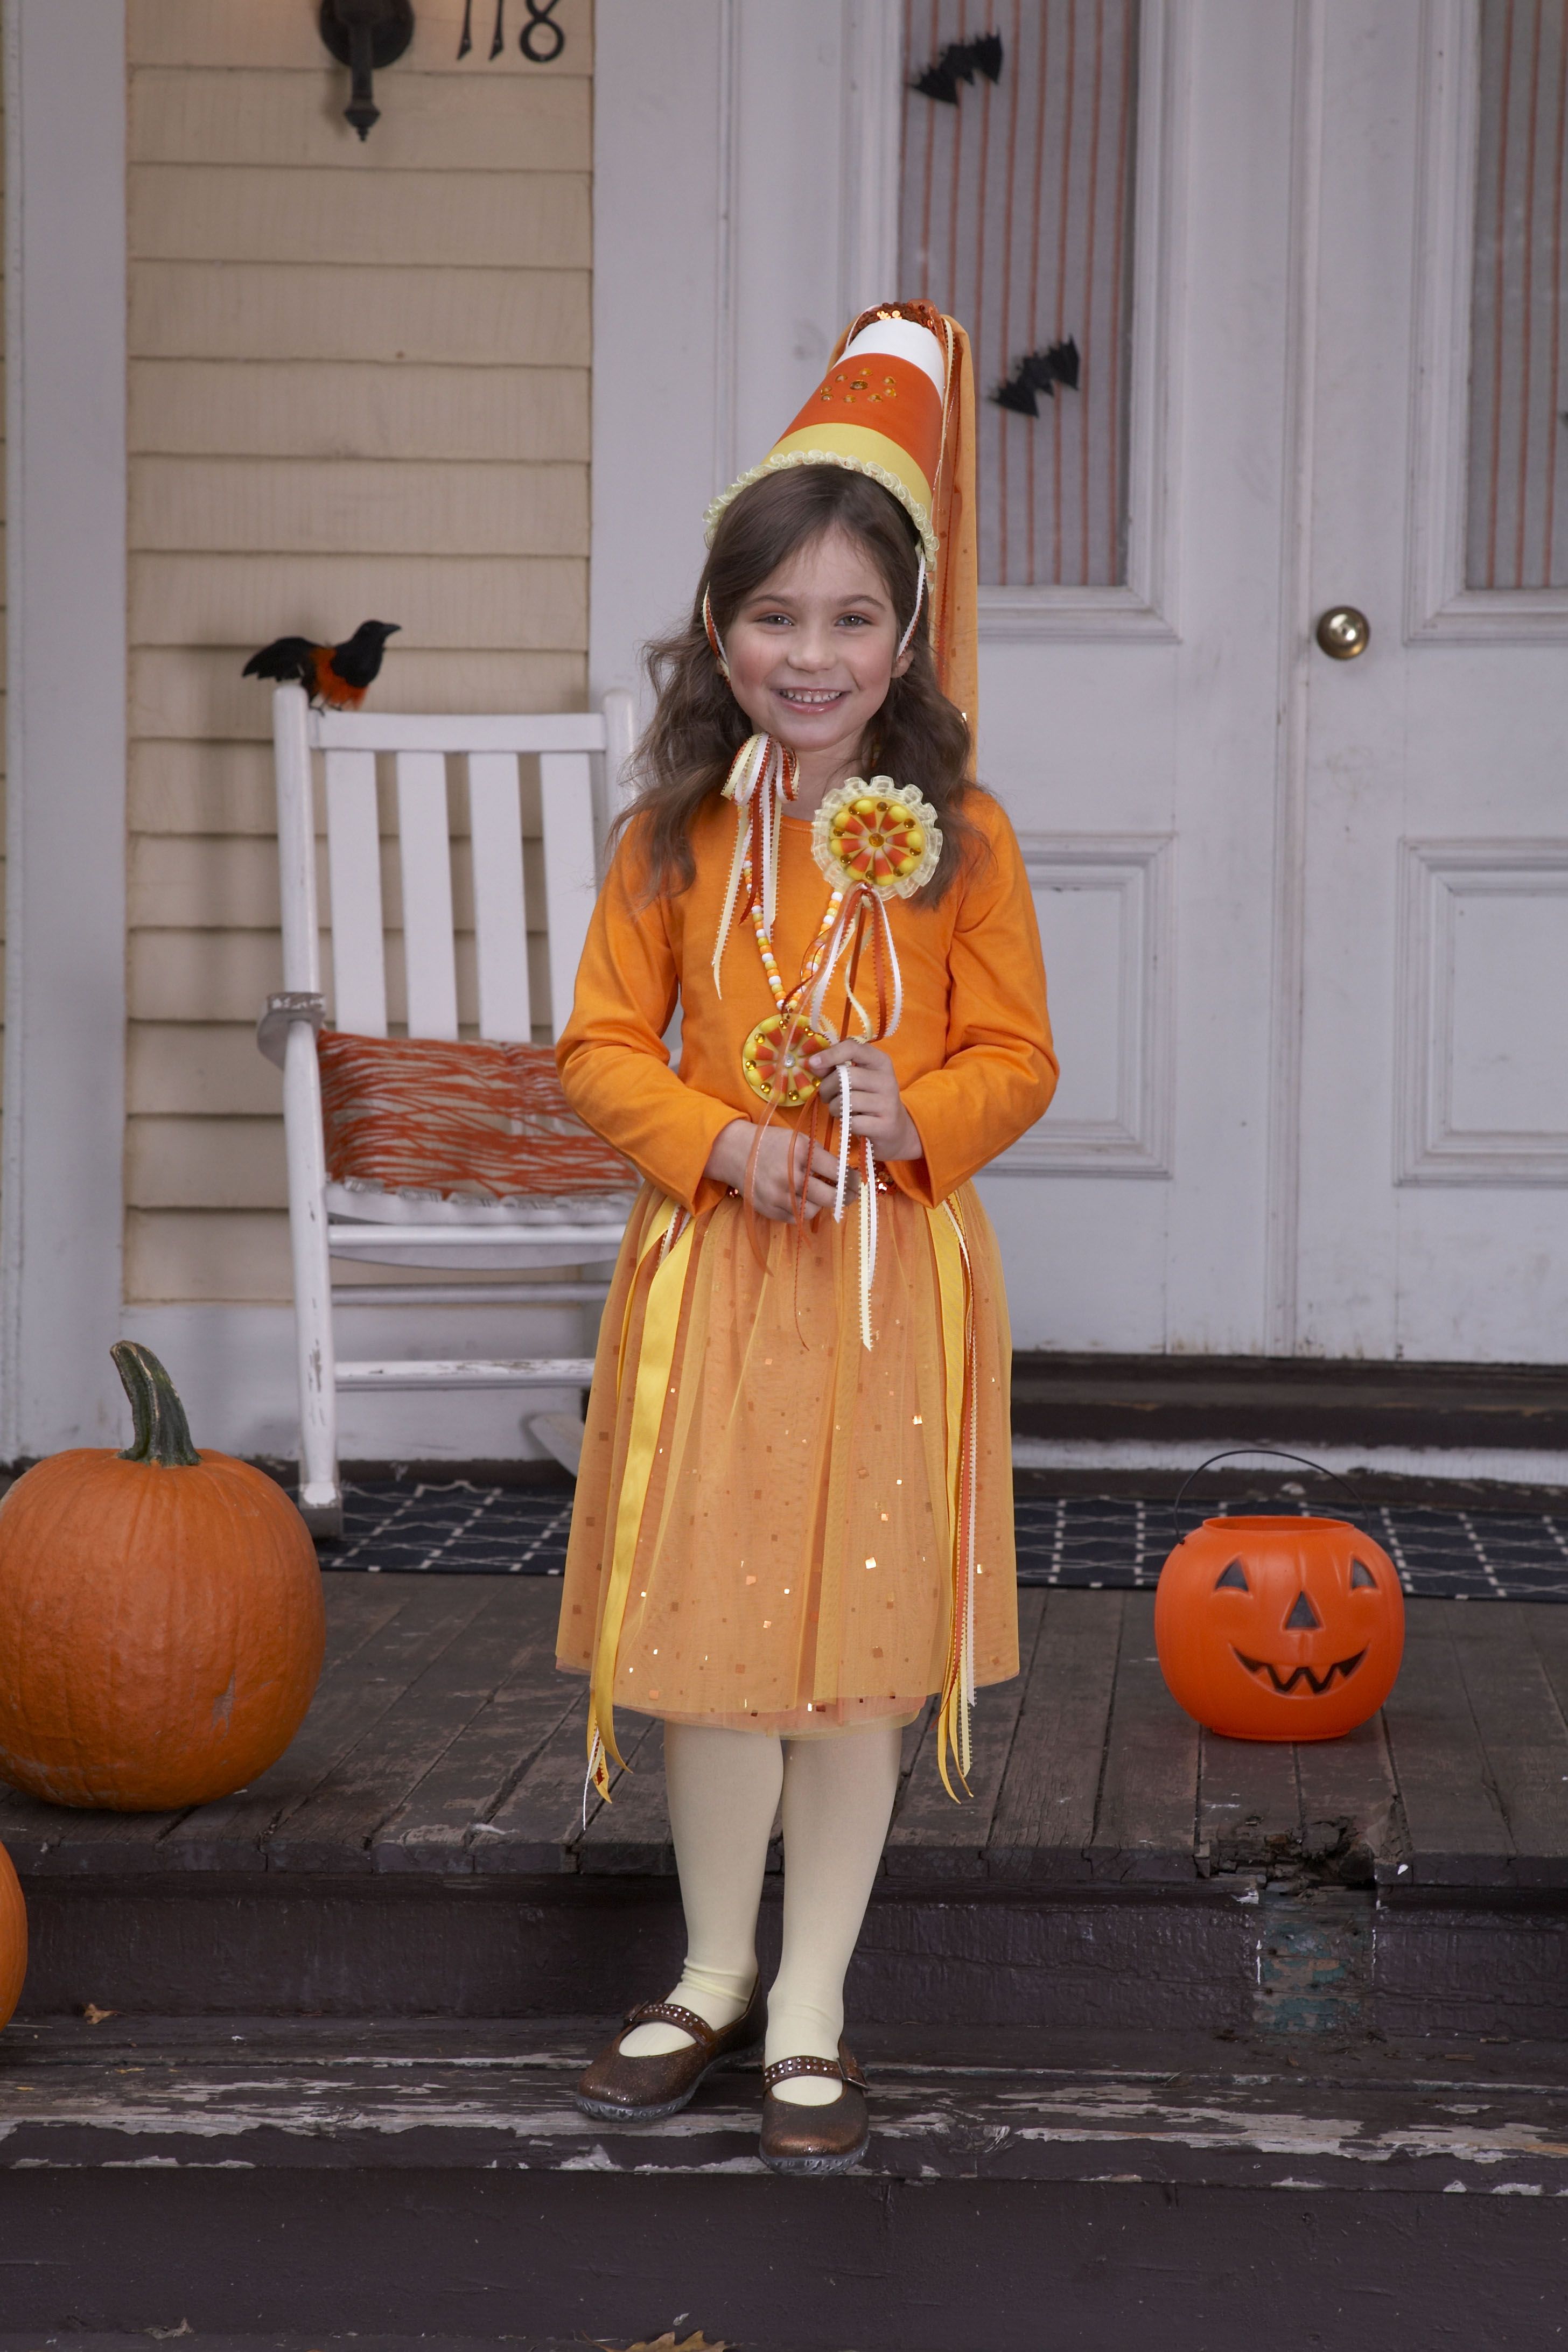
<point x="618" y="2089"/>
<point x="814" y="2140"/>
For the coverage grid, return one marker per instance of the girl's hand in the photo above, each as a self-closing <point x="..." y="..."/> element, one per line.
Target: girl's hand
<point x="875" y="1108"/>
<point x="771" y="1192"/>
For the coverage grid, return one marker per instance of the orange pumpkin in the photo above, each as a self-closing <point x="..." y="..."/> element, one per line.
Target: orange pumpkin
<point x="161" y="1619"/>
<point x="1280" y="1628"/>
<point x="13" y="1939"/>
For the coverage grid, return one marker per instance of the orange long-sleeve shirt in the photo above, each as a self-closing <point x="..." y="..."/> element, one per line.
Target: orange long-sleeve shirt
<point x="973" y="1054"/>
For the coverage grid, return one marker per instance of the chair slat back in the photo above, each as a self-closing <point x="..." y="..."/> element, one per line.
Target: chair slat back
<point x="501" y="924"/>
<point x="353" y="862"/>
<point x="570" y="882"/>
<point x="420" y="746"/>
<point x="428" y="947"/>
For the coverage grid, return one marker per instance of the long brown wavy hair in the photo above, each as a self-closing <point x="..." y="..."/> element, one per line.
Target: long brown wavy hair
<point x="918" y="737"/>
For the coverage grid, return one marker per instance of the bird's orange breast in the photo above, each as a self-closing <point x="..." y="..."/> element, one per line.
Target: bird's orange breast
<point x="333" y="690"/>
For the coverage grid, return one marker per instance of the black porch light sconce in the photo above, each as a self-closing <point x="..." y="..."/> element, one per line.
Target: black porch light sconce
<point x="365" y="34"/>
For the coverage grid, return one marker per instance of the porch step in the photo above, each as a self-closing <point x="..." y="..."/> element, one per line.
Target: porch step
<point x="423" y="1847"/>
<point x="438" y="2180"/>
<point x="1225" y="1399"/>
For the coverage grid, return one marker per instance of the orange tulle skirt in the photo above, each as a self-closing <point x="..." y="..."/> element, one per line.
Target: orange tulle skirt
<point x="785" y="1496"/>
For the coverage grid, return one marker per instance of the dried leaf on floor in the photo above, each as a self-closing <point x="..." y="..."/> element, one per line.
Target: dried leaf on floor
<point x="668" y="2343"/>
<point x="95" y="2016"/>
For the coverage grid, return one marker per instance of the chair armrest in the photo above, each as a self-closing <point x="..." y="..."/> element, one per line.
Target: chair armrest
<point x="281" y="1013"/>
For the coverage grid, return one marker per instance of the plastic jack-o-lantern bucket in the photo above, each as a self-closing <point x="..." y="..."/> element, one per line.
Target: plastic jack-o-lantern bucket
<point x="1280" y="1628"/>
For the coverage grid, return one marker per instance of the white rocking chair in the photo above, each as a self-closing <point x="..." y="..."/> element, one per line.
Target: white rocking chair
<point x="328" y="1219"/>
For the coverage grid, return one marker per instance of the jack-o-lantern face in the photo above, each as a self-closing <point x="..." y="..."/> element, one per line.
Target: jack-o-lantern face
<point x="1280" y="1628"/>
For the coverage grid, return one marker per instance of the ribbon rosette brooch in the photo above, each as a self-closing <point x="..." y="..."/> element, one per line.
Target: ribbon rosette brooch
<point x="881" y="836"/>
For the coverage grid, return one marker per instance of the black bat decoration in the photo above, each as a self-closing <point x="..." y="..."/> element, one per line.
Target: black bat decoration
<point x="1035" y="373"/>
<point x="961" y="61"/>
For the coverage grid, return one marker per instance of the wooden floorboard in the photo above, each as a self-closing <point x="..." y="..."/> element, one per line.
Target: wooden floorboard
<point x="1249" y="1803"/>
<point x="442" y="1740"/>
<point x="1522" y="1731"/>
<point x="1455" y="1824"/>
<point x="933" y="1836"/>
<point x="539" y="1826"/>
<point x="1148" y="1791"/>
<point x="335" y="1826"/>
<point x="447" y="1814"/>
<point x="1044" y="1823"/>
<point x="1350" y="1797"/>
<point x="630" y="1835"/>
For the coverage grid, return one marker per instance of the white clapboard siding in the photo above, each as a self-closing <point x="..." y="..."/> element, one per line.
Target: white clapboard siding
<point x="202" y="1068"/>
<point x="359" y="966"/>
<point x="442" y="603"/>
<point x="336" y="507"/>
<point x="468" y="122"/>
<point x="227" y="972"/>
<point x="320" y="311"/>
<point x="201" y="1163"/>
<point x="202" y="788"/>
<point x="378" y="219"/>
<point x="296" y="409"/>
<point x="220" y="884"/>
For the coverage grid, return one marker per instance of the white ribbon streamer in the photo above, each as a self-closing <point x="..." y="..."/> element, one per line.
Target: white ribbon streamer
<point x="838" y="941"/>
<point x="759" y="782"/>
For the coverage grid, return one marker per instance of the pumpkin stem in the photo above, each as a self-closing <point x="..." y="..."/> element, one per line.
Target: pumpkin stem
<point x="163" y="1433"/>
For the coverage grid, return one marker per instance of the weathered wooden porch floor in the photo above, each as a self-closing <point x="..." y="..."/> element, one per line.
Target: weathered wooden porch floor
<point x="443" y="1741"/>
<point x="322" y="2036"/>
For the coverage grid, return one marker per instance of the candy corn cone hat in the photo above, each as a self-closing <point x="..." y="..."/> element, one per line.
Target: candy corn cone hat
<point x="897" y="404"/>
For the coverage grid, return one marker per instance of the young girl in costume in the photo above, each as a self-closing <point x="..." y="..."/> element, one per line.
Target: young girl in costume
<point x="794" y="1518"/>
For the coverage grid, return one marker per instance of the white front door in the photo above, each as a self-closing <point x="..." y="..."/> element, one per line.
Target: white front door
<point x="1304" y="918"/>
<point x="1430" y="863"/>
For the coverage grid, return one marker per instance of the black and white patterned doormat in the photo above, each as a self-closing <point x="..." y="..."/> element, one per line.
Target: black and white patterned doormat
<point x="1099" y="1542"/>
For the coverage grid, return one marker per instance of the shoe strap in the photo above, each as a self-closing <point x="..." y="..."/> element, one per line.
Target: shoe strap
<point x="841" y="2069"/>
<point x="670" y="2012"/>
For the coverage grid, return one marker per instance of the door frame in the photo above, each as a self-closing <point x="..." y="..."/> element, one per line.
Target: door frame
<point x="62" y="1185"/>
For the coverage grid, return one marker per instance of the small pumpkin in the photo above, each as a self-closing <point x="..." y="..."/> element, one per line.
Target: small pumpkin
<point x="1280" y="1628"/>
<point x="161" y="1618"/>
<point x="13" y="1939"/>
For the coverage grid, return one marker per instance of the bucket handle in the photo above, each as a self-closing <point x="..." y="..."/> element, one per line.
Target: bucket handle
<point x="1280" y="1453"/>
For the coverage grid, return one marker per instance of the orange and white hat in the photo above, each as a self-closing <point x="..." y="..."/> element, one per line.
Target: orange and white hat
<point x="897" y="404"/>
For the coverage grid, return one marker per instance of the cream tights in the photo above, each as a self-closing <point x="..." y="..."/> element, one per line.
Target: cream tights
<point x="724" y="1788"/>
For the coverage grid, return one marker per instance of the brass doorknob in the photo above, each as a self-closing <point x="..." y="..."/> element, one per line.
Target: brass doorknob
<point x="1342" y="633"/>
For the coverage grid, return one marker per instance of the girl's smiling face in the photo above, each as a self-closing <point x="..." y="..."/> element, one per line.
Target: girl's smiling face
<point x="812" y="653"/>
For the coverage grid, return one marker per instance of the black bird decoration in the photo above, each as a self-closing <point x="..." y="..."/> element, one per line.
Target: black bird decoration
<point x="961" y="61"/>
<point x="1035" y="373"/>
<point x="335" y="675"/>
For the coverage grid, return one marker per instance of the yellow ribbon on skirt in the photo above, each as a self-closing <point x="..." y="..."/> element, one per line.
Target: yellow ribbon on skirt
<point x="655" y="1357"/>
<point x="955" y="1290"/>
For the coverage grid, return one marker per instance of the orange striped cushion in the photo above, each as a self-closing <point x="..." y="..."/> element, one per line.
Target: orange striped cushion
<point x="470" y="1117"/>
